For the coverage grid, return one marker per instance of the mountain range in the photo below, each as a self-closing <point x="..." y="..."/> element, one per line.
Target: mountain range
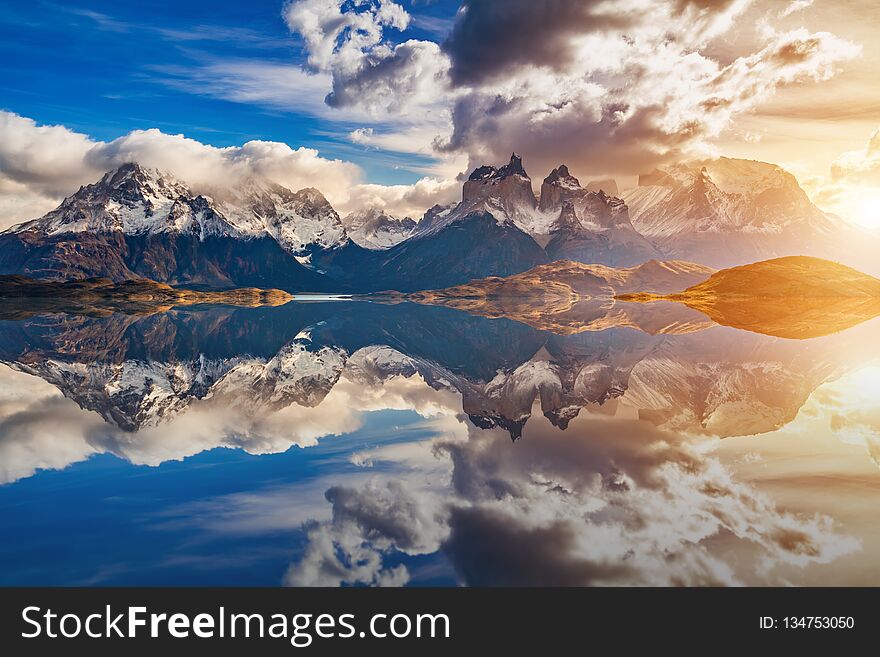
<point x="141" y="223"/>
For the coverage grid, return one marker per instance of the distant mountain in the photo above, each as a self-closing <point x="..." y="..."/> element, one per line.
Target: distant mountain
<point x="590" y="227"/>
<point x="374" y="229"/>
<point x="607" y="185"/>
<point x="727" y="211"/>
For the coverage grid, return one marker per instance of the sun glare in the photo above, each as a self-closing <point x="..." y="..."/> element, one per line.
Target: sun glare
<point x="867" y="208"/>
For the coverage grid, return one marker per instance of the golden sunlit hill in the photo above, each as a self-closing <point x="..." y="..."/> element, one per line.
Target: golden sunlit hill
<point x="793" y="297"/>
<point x="22" y="297"/>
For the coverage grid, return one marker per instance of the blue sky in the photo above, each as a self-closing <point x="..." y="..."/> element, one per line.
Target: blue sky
<point x="106" y="68"/>
<point x="547" y="79"/>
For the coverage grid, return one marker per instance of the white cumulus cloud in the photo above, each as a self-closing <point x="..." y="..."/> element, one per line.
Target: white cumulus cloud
<point x="40" y="165"/>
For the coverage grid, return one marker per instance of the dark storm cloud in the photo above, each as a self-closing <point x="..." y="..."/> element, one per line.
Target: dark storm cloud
<point x="390" y="78"/>
<point x="596" y="137"/>
<point x="491" y="37"/>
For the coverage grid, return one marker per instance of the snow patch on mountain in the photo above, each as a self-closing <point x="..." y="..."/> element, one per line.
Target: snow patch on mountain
<point x="721" y="196"/>
<point x="295" y="220"/>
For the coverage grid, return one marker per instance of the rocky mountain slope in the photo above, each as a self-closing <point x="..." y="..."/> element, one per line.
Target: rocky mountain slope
<point x="139" y="223"/>
<point x="727" y="211"/>
<point x="373" y="228"/>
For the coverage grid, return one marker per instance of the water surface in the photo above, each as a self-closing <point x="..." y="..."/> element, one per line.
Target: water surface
<point x="353" y="443"/>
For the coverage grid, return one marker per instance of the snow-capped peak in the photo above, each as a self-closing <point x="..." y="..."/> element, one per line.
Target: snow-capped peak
<point x="135" y="200"/>
<point x="561" y="177"/>
<point x="721" y="195"/>
<point x="575" y="207"/>
<point x="373" y="228"/>
<point x="131" y="199"/>
<point x="487" y="173"/>
<point x="297" y="221"/>
<point x="506" y="193"/>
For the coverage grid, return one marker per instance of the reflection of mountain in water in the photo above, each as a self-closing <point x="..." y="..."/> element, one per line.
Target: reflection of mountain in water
<point x="141" y="371"/>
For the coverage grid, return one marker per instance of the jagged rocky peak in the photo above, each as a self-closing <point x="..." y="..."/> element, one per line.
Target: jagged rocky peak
<point x="131" y="183"/>
<point x="436" y="215"/>
<point x="298" y="221"/>
<point x="567" y="219"/>
<point x="131" y="199"/>
<point x="504" y="192"/>
<point x="562" y="176"/>
<point x="314" y="198"/>
<point x="512" y="168"/>
<point x="129" y="175"/>
<point x="374" y="217"/>
<point x="558" y="187"/>
<point x="573" y="205"/>
<point x="493" y="421"/>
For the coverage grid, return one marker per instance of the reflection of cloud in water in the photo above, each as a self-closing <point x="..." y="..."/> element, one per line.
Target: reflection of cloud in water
<point x="608" y="502"/>
<point x="40" y="429"/>
<point x="848" y="409"/>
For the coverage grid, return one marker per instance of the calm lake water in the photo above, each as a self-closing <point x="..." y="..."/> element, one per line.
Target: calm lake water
<point x="355" y="443"/>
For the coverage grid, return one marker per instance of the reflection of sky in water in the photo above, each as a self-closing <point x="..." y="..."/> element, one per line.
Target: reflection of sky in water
<point x="381" y="477"/>
<point x="219" y="516"/>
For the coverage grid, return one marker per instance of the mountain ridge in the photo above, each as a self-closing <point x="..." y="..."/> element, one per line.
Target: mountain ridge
<point x="141" y="223"/>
